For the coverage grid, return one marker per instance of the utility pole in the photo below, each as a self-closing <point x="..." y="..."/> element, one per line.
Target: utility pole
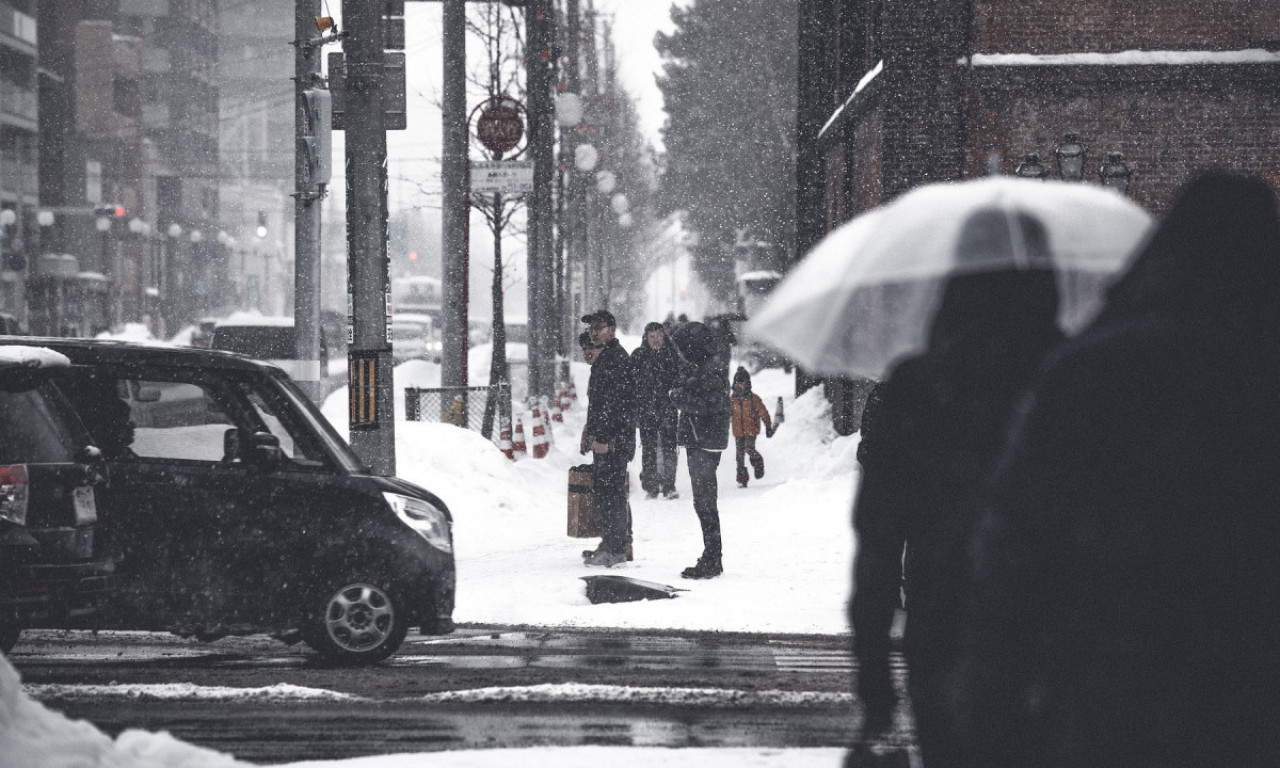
<point x="372" y="416"/>
<point x="539" y="62"/>
<point x="456" y="202"/>
<point x="573" y="223"/>
<point x="312" y="169"/>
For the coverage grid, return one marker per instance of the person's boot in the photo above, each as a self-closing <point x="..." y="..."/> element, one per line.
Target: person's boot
<point x="589" y="552"/>
<point x="757" y="463"/>
<point x="707" y="567"/>
<point x="742" y="477"/>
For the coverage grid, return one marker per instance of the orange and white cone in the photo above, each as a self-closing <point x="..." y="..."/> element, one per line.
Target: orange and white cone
<point x="573" y="391"/>
<point x="565" y="402"/>
<point x="557" y="404"/>
<point x="504" y="441"/>
<point x="546" y="422"/>
<point x="539" y="446"/>
<point x="518" y="447"/>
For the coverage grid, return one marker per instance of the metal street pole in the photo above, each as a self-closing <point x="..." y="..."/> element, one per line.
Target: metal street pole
<point x="372" y="415"/>
<point x="306" y="203"/>
<point x="456" y="197"/>
<point x="539" y="61"/>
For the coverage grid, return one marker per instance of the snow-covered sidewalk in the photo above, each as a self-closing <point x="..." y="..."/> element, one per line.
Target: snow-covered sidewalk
<point x="787" y="540"/>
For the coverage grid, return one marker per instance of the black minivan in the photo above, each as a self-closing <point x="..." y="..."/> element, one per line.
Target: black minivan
<point x="238" y="509"/>
<point x="54" y="567"/>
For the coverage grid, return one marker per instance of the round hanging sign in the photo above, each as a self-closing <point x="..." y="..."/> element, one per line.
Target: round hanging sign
<point x="500" y="128"/>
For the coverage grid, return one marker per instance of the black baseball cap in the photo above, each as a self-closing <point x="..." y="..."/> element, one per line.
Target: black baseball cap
<point x="601" y="315"/>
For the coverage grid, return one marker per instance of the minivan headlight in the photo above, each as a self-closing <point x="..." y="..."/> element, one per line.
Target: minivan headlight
<point x="424" y="517"/>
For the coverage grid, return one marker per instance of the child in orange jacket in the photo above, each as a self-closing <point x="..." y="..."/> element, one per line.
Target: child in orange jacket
<point x="747" y="411"/>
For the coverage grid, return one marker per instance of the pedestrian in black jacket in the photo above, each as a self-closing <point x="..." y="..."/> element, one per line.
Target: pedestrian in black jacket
<point x="611" y="427"/>
<point x="1128" y="563"/>
<point x="939" y="423"/>
<point x="703" y="429"/>
<point x="656" y="368"/>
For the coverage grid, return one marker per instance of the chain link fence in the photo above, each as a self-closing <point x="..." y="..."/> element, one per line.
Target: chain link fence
<point x="470" y="407"/>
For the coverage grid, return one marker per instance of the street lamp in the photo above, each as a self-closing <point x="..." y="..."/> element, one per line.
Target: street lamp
<point x="175" y="231"/>
<point x="585" y="157"/>
<point x="196" y="236"/>
<point x="1030" y="167"/>
<point x="45" y="218"/>
<point x="1115" y="173"/>
<point x="1070" y="157"/>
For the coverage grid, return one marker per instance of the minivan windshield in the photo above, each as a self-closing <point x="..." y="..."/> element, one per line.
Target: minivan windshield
<point x="35" y="427"/>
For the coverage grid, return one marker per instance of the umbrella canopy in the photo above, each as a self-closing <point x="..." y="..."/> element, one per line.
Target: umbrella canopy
<point x="865" y="296"/>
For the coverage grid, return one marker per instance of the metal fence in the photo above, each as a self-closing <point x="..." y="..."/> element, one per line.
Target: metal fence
<point x="470" y="407"/>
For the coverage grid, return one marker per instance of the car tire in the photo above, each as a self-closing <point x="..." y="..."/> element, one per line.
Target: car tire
<point x="356" y="621"/>
<point x="10" y="628"/>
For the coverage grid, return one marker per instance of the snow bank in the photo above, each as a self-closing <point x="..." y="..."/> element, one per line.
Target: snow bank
<point x="35" y="737"/>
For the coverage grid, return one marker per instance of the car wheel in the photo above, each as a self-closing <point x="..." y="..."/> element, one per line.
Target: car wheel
<point x="357" y="622"/>
<point x="10" y="628"/>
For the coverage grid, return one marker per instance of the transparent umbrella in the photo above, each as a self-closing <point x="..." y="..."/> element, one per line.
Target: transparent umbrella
<point x="865" y="296"/>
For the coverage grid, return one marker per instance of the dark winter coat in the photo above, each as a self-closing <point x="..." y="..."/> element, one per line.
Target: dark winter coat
<point x="702" y="394"/>
<point x="939" y="424"/>
<point x="611" y="400"/>
<point x="1128" y="563"/>
<point x="657" y="373"/>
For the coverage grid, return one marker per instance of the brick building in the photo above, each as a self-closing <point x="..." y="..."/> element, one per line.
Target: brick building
<point x="897" y="94"/>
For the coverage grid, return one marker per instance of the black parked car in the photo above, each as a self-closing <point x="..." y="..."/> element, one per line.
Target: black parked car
<point x="238" y="509"/>
<point x="54" y="567"/>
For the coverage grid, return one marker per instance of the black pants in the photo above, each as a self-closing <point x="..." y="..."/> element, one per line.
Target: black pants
<point x="702" y="473"/>
<point x="609" y="486"/>
<point x="746" y="446"/>
<point x="658" y="456"/>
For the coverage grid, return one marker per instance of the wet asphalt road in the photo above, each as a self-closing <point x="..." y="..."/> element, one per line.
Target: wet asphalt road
<point x="681" y="690"/>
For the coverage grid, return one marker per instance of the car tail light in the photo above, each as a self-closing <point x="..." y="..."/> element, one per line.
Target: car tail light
<point x="13" y="493"/>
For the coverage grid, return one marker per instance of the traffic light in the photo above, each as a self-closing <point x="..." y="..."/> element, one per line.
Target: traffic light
<point x="262" y="224"/>
<point x="112" y="212"/>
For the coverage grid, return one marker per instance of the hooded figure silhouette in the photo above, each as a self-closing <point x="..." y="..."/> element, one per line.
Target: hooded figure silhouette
<point x="1127" y="579"/>
<point x="939" y="426"/>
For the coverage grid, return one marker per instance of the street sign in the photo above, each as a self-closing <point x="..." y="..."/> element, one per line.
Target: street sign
<point x="505" y="176"/>
<point x="500" y="128"/>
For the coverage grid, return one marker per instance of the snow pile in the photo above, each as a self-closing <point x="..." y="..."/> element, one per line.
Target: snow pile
<point x="33" y="736"/>
<point x="184" y="692"/>
<point x="787" y="539"/>
<point x="137" y="333"/>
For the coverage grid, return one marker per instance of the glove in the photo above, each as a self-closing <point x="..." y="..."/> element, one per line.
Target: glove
<point x="768" y="431"/>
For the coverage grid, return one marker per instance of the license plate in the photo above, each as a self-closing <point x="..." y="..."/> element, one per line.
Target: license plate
<point x="86" y="508"/>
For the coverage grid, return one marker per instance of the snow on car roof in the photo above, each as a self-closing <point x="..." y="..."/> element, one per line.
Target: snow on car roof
<point x="32" y="357"/>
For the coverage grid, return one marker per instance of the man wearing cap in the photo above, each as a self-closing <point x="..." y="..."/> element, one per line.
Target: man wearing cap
<point x="611" y="427"/>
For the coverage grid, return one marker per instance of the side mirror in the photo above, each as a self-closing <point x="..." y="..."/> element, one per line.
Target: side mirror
<point x="264" y="450"/>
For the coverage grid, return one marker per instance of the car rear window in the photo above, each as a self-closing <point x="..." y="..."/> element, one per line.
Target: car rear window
<point x="33" y="429"/>
<point x="264" y="342"/>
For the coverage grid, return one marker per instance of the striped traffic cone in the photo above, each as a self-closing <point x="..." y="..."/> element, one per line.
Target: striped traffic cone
<point x="504" y="441"/>
<point x="518" y="447"/>
<point x="573" y="391"/>
<point x="540" y="446"/>
<point x="556" y="414"/>
<point x="565" y="402"/>
<point x="546" y="422"/>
